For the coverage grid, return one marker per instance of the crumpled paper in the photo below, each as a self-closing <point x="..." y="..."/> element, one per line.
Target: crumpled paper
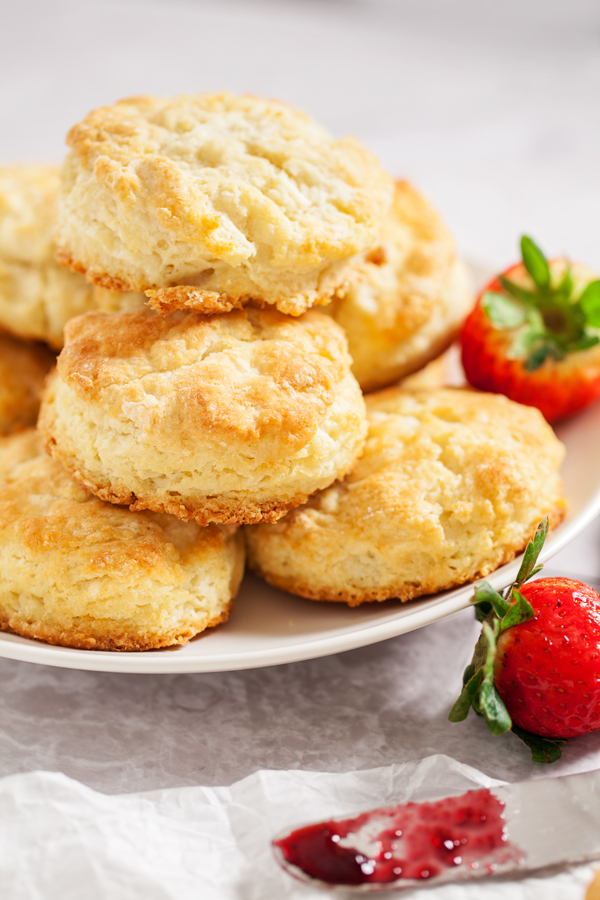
<point x="61" y="840"/>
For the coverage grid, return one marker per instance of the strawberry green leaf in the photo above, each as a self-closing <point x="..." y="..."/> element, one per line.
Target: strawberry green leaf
<point x="485" y="593"/>
<point x="479" y="690"/>
<point x="590" y="303"/>
<point x="493" y="708"/>
<point x="518" y="292"/>
<point x="587" y="341"/>
<point x="461" y="708"/>
<point x="539" y="356"/>
<point x="472" y="670"/>
<point x="543" y="750"/>
<point x="535" y="262"/>
<point x="490" y="702"/>
<point x="548" y="321"/>
<point x="527" y="339"/>
<point x="565" y="288"/>
<point x="532" y="551"/>
<point x="520" y="611"/>
<point x="482" y="611"/>
<point x="503" y="311"/>
<point x="480" y="653"/>
<point x="469" y="672"/>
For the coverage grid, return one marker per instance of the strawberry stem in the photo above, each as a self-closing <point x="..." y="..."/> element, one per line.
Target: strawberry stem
<point x="520" y="611"/>
<point x="532" y="551"/>
<point x="499" y="611"/>
<point x="548" y="321"/>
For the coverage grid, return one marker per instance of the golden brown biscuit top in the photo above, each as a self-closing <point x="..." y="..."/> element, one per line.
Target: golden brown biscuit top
<point x="449" y="450"/>
<point x="28" y="212"/>
<point x="411" y="272"/>
<point x="253" y="376"/>
<point x="450" y="425"/>
<point x="234" y="172"/>
<point x="46" y="510"/>
<point x="422" y="272"/>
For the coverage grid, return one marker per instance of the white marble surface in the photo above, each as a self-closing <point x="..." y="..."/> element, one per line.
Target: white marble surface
<point x="494" y="113"/>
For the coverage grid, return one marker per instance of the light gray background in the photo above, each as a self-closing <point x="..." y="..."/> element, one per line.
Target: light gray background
<point x="493" y="110"/>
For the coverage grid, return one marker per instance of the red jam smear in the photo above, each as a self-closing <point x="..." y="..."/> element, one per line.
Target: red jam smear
<point x="415" y="840"/>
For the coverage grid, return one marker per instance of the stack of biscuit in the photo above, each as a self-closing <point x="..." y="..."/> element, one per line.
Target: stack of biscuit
<point x="231" y="280"/>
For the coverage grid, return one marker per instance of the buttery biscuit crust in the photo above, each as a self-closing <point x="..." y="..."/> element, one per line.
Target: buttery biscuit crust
<point x="241" y="197"/>
<point x="23" y="369"/>
<point x="451" y="485"/>
<point x="27" y="213"/>
<point x="37" y="295"/>
<point x="232" y="418"/>
<point x="415" y="294"/>
<point x="82" y="573"/>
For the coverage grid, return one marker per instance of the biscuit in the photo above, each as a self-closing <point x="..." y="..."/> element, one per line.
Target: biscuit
<point x="205" y="201"/>
<point x="23" y="369"/>
<point x="83" y="573"/>
<point x="106" y="300"/>
<point x="37" y="295"/>
<point x="413" y="300"/>
<point x="451" y="485"/>
<point x="231" y="418"/>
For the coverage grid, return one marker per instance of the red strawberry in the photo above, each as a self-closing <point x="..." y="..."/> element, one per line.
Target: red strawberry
<point x="534" y="335"/>
<point x="547" y="670"/>
<point x="536" y="666"/>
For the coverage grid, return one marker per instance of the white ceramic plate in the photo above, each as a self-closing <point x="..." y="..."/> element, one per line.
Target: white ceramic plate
<point x="268" y="626"/>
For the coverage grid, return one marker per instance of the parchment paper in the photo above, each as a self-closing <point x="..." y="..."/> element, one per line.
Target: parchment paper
<point x="60" y="840"/>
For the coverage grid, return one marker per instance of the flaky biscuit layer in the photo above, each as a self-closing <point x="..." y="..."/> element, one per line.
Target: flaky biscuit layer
<point x="206" y="201"/>
<point x="83" y="573"/>
<point x="414" y="296"/>
<point x="37" y="295"/>
<point x="451" y="485"/>
<point x="231" y="418"/>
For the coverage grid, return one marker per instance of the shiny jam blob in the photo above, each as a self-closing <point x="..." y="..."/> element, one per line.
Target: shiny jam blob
<point x="415" y="840"/>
